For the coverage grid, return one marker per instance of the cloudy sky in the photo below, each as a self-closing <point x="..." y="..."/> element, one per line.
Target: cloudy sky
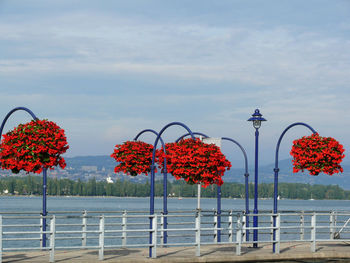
<point x="105" y="70"/>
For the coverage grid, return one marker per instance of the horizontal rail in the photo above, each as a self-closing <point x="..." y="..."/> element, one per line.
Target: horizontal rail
<point x="99" y="230"/>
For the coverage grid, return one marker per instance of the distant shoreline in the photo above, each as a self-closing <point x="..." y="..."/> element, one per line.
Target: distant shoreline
<point x="160" y="197"/>
<point x="32" y="186"/>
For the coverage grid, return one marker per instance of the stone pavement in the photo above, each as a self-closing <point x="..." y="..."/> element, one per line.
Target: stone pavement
<point x="290" y="252"/>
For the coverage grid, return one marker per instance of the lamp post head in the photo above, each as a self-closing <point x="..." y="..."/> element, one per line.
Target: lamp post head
<point x="257" y="119"/>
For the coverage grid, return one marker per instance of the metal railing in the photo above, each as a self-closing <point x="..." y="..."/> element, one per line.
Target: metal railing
<point x="122" y="229"/>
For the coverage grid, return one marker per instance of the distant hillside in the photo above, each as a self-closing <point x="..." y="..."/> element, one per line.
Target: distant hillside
<point x="266" y="174"/>
<point x="286" y="175"/>
<point x="99" y="161"/>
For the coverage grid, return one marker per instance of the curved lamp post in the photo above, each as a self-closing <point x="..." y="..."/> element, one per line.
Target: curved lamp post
<point x="246" y="175"/>
<point x="165" y="181"/>
<point x="276" y="170"/>
<point x="44" y="211"/>
<point x="256" y="119"/>
<point x="152" y="173"/>
<point x="11" y="112"/>
<point x="194" y="133"/>
<point x="246" y="182"/>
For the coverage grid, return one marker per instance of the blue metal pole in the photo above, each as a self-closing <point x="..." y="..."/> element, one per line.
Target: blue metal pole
<point x="256" y="119"/>
<point x="44" y="170"/>
<point x="246" y="175"/>
<point x="44" y="204"/>
<point x="165" y="185"/>
<point x="275" y="196"/>
<point x="275" y="189"/>
<point x="219" y="212"/>
<point x="276" y="170"/>
<point x="165" y="207"/>
<point x="151" y="209"/>
<point x="153" y="175"/>
<point x="255" y="218"/>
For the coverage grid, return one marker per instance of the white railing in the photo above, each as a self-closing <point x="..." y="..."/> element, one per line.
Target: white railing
<point x="106" y="230"/>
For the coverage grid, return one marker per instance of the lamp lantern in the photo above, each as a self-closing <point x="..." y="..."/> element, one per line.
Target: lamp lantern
<point x="257" y="119"/>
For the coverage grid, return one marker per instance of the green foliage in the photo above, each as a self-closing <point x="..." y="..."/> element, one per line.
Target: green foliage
<point x="32" y="185"/>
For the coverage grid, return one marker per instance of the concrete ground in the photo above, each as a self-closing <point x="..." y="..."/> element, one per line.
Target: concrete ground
<point x="290" y="252"/>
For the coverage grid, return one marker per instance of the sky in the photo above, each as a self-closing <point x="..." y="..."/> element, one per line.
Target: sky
<point x="106" y="70"/>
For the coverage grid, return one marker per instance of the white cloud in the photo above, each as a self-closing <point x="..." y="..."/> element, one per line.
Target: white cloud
<point x="209" y="75"/>
<point x="88" y="42"/>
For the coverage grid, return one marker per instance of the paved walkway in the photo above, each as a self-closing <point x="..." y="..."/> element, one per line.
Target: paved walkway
<point x="290" y="252"/>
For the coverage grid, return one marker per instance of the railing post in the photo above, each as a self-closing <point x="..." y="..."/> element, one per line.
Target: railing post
<point x="272" y="230"/>
<point x="162" y="229"/>
<point x="313" y="232"/>
<point x="278" y="233"/>
<point x="302" y="224"/>
<point x="52" y="238"/>
<point x="41" y="230"/>
<point x="165" y="227"/>
<point x="0" y="238"/>
<point x="154" y="236"/>
<point x="84" y="229"/>
<point x="198" y="233"/>
<point x="124" y="227"/>
<point x="244" y="226"/>
<point x="101" y="238"/>
<point x="230" y="227"/>
<point x="215" y="227"/>
<point x="239" y="236"/>
<point x="332" y="224"/>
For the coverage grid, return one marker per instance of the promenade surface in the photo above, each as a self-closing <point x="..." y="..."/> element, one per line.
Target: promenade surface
<point x="290" y="252"/>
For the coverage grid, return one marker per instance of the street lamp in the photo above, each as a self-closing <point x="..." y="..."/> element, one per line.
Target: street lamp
<point x="256" y="119"/>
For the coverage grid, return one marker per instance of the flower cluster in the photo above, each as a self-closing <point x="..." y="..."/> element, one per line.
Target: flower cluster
<point x="195" y="162"/>
<point x="33" y="146"/>
<point x="134" y="157"/>
<point x="317" y="154"/>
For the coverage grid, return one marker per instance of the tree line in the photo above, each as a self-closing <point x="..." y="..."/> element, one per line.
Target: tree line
<point x="32" y="185"/>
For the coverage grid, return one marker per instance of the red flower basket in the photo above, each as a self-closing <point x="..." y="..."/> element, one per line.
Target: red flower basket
<point x="317" y="154"/>
<point x="33" y="146"/>
<point x="195" y="162"/>
<point x="134" y="157"/>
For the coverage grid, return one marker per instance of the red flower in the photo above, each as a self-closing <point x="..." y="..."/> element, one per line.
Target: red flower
<point x="33" y="146"/>
<point x="317" y="154"/>
<point x="134" y="157"/>
<point x="195" y="162"/>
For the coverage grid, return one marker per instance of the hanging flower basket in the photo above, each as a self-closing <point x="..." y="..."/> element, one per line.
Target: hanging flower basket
<point x="33" y="146"/>
<point x="133" y="157"/>
<point x="317" y="154"/>
<point x="195" y="162"/>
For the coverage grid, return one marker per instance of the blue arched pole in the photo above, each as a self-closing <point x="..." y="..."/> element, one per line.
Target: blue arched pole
<point x="44" y="204"/>
<point x="165" y="183"/>
<point x="246" y="175"/>
<point x="276" y="170"/>
<point x="194" y="133"/>
<point x="44" y="211"/>
<point x="152" y="172"/>
<point x="11" y="112"/>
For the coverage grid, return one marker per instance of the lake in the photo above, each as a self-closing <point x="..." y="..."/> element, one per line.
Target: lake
<point x="34" y="204"/>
